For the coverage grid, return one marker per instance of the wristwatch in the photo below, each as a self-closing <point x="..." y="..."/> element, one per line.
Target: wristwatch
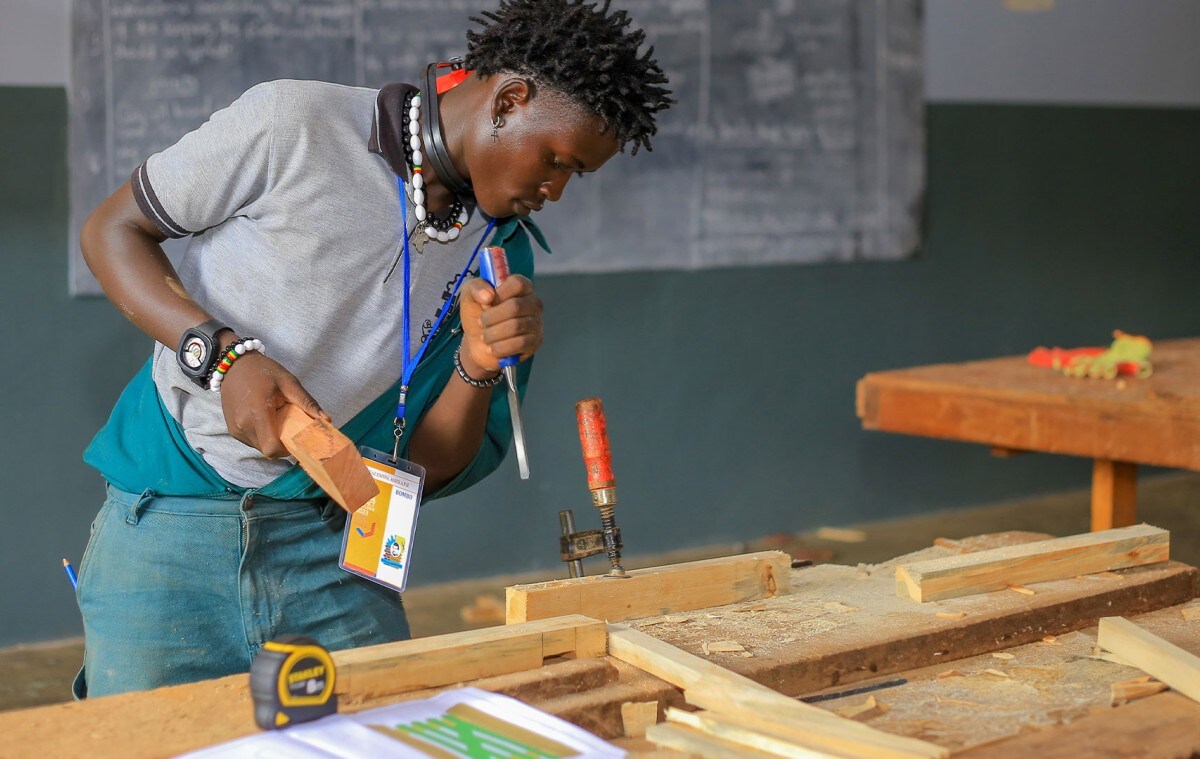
<point x="199" y="351"/>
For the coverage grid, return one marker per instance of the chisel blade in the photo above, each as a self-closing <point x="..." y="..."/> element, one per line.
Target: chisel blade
<point x="514" y="411"/>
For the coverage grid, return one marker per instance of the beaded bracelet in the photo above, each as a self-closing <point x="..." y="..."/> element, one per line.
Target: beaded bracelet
<point x="489" y="382"/>
<point x="236" y="350"/>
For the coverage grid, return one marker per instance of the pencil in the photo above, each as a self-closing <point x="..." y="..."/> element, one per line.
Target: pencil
<point x="70" y="570"/>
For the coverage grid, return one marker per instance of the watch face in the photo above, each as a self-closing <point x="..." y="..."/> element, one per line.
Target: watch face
<point x="194" y="352"/>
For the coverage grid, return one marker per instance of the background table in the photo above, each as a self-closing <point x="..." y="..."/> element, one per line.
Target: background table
<point x="1012" y="406"/>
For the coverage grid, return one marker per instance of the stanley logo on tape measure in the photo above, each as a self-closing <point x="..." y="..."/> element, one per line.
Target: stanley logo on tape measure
<point x="292" y="680"/>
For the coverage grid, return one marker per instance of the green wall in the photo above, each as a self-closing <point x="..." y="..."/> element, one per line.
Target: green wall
<point x="730" y="394"/>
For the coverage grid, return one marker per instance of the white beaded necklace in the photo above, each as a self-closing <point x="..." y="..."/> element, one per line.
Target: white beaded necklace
<point x="450" y="227"/>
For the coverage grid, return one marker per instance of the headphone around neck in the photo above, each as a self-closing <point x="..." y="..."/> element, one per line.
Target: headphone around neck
<point x="431" y="130"/>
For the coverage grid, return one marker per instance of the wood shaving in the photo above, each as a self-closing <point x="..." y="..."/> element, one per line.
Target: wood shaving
<point x="1139" y="687"/>
<point x="949" y="673"/>
<point x="868" y="708"/>
<point x="1023" y="590"/>
<point x="1191" y="613"/>
<point x="1050" y="640"/>
<point x="997" y="673"/>
<point x="838" y="607"/>
<point x="951" y="614"/>
<point x="665" y="620"/>
<point x="755" y="607"/>
<point x="1002" y="657"/>
<point x="722" y="647"/>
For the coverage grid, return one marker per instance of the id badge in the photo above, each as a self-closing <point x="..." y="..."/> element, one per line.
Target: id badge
<point x="378" y="540"/>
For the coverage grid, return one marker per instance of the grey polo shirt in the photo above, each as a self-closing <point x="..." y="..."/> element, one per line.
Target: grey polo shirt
<point x="290" y="199"/>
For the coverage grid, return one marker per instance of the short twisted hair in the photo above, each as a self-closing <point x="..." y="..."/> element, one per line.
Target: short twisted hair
<point x="581" y="51"/>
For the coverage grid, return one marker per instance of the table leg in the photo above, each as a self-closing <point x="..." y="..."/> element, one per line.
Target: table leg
<point x="1114" y="494"/>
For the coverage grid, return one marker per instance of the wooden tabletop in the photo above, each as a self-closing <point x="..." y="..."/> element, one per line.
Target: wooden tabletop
<point x="1010" y="404"/>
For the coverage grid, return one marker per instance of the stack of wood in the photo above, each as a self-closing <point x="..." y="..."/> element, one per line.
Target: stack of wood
<point x="738" y="717"/>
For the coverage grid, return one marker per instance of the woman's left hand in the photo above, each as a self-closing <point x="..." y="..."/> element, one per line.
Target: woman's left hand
<point x="499" y="322"/>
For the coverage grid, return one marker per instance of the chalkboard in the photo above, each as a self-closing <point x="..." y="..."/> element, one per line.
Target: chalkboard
<point x="798" y="136"/>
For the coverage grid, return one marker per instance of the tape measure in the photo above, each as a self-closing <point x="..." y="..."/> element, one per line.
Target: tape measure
<point x="291" y="680"/>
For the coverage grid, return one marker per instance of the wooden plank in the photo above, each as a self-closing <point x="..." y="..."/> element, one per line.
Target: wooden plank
<point x="694" y="743"/>
<point x="328" y="456"/>
<point x="712" y="687"/>
<point x="1060" y="558"/>
<point x="804" y="653"/>
<point x="458" y="657"/>
<point x="1159" y="726"/>
<point x="1151" y="654"/>
<point x="657" y="590"/>
<point x="1008" y="403"/>
<point x="553" y="680"/>
<point x="172" y="720"/>
<point x="1114" y="494"/>
<point x="724" y="728"/>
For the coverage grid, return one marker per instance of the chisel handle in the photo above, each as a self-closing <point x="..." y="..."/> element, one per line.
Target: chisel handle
<point x="593" y="437"/>
<point x="493" y="267"/>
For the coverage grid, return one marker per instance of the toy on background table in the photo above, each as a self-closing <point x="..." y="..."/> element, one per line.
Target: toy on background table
<point x="1129" y="355"/>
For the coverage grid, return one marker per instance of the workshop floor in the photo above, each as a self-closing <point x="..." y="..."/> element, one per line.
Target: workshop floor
<point x="41" y="674"/>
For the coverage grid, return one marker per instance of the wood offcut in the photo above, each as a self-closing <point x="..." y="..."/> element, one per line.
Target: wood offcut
<point x="1151" y="654"/>
<point x="328" y="456"/>
<point x="654" y="591"/>
<point x="1041" y="561"/>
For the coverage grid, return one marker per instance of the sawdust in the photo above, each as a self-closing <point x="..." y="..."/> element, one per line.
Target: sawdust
<point x="1044" y="683"/>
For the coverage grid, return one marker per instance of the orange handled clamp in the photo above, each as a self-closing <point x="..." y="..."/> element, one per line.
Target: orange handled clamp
<point x="597" y="459"/>
<point x="593" y="438"/>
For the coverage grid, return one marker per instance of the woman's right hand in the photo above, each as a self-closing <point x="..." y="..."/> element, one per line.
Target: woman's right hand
<point x="253" y="391"/>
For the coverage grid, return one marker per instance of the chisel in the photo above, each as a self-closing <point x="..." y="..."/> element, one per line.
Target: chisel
<point x="493" y="267"/>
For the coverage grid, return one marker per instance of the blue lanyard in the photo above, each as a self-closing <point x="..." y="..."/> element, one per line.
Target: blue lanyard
<point x="410" y="362"/>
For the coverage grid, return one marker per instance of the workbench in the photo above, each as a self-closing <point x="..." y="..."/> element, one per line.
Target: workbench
<point x="1046" y="694"/>
<point x="1012" y="406"/>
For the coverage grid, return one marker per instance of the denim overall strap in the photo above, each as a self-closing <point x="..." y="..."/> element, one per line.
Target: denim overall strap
<point x="135" y="511"/>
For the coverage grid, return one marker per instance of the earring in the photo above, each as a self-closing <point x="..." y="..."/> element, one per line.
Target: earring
<point x="496" y="124"/>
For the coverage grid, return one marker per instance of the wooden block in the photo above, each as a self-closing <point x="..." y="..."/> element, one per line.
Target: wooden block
<point x="443" y="659"/>
<point x="328" y="456"/>
<point x="694" y="743"/>
<point x="767" y="741"/>
<point x="711" y="687"/>
<point x="1040" y="561"/>
<point x="654" y="591"/>
<point x="1151" y="654"/>
<point x="636" y="717"/>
